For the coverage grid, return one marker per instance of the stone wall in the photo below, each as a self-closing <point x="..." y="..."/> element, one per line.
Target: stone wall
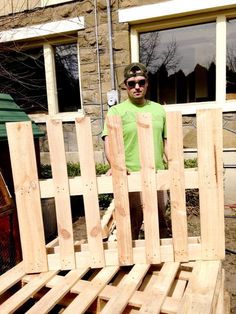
<point x="94" y="49"/>
<point x="95" y="81"/>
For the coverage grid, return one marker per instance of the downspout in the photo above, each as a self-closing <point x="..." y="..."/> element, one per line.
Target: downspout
<point x="112" y="95"/>
<point x="98" y="63"/>
<point x="113" y="83"/>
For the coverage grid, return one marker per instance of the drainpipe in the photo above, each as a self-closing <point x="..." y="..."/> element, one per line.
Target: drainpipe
<point x="98" y="62"/>
<point x="112" y="95"/>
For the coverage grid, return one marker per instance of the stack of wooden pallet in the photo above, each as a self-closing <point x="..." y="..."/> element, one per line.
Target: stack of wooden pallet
<point x="181" y="274"/>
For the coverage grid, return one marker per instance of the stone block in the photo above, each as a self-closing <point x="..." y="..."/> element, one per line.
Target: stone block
<point x="121" y="40"/>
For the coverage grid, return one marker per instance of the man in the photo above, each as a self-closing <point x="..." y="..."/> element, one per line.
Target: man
<point x="136" y="83"/>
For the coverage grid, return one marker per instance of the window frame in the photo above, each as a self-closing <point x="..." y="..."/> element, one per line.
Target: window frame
<point x="41" y="36"/>
<point x="166" y="22"/>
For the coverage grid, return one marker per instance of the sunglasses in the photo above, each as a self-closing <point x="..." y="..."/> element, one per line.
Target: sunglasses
<point x="132" y="84"/>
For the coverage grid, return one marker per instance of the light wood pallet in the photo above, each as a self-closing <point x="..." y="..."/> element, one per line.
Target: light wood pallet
<point x="178" y="275"/>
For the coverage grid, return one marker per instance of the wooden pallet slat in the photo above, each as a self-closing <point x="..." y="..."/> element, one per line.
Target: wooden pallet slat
<point x="50" y="299"/>
<point x="210" y="165"/>
<point x="156" y="297"/>
<point x="120" y="187"/>
<point x="126" y="289"/>
<point x="11" y="277"/>
<point x="178" y="288"/>
<point x="149" y="192"/>
<point x="199" y="294"/>
<point x="177" y="185"/>
<point x="62" y="194"/>
<point x="23" y="161"/>
<point x="108" y="222"/>
<point x="25" y="293"/>
<point x="90" y="193"/>
<point x="134" y="183"/>
<point x="148" y="275"/>
<point x="86" y="297"/>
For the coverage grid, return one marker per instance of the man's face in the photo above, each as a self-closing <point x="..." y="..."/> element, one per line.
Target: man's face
<point x="136" y="88"/>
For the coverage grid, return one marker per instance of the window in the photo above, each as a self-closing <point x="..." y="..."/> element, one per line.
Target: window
<point x="231" y="60"/>
<point x="162" y="34"/>
<point x="181" y="63"/>
<point x="39" y="67"/>
<point x="67" y="77"/>
<point x="22" y="75"/>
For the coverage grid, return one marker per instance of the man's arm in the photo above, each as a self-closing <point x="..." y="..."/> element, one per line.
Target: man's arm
<point x="107" y="153"/>
<point x="107" y="149"/>
<point x="165" y="150"/>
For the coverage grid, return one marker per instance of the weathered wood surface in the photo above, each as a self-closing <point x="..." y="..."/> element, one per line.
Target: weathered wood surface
<point x="118" y="276"/>
<point x="167" y="288"/>
<point x="97" y="253"/>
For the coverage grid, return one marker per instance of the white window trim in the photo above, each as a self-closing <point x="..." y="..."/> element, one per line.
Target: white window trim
<point x="170" y="8"/>
<point x="42" y="30"/>
<point x="51" y="82"/>
<point x="221" y="21"/>
<point x="45" y="3"/>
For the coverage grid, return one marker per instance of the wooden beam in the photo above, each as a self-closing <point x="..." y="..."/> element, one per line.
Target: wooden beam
<point x="62" y="194"/>
<point x="90" y="193"/>
<point x="149" y="192"/>
<point x="120" y="188"/>
<point x="26" y="185"/>
<point x="177" y="185"/>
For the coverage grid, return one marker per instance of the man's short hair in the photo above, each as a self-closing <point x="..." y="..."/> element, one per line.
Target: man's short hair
<point x="135" y="69"/>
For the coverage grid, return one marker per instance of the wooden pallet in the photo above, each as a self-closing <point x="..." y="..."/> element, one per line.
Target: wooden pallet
<point x="165" y="288"/>
<point x="82" y="276"/>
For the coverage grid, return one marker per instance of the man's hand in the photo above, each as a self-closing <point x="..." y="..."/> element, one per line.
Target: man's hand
<point x="108" y="173"/>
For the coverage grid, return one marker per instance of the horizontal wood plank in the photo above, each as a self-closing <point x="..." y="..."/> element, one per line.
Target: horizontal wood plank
<point x="104" y="183"/>
<point x="53" y="296"/>
<point x="126" y="289"/>
<point x="12" y="276"/>
<point x="25" y="293"/>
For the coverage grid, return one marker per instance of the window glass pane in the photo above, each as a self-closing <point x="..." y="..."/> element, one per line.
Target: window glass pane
<point x="181" y="63"/>
<point x="66" y="61"/>
<point x="22" y="75"/>
<point x="231" y="60"/>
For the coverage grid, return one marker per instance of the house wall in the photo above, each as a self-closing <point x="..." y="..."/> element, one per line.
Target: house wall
<point x="95" y="58"/>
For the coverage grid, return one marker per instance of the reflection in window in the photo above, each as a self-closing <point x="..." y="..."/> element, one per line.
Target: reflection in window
<point x="67" y="77"/>
<point x="231" y="60"/>
<point x="22" y="75"/>
<point x="181" y="63"/>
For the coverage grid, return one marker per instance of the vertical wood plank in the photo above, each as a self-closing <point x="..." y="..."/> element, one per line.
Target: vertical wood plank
<point x="62" y="194"/>
<point x="19" y="5"/>
<point x="24" y="168"/>
<point x="199" y="294"/>
<point x="210" y="170"/>
<point x="120" y="188"/>
<point x="149" y="191"/>
<point x="90" y="191"/>
<point x="177" y="186"/>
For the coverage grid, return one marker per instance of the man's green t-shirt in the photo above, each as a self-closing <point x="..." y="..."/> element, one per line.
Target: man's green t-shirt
<point x="128" y="112"/>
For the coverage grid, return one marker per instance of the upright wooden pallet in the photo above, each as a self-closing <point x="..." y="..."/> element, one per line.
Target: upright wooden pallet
<point x="178" y="275"/>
